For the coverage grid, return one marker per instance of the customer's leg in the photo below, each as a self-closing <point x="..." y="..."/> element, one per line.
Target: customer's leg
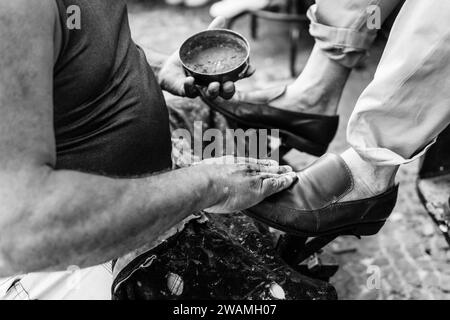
<point x="343" y="38"/>
<point x="396" y="118"/>
<point x="406" y="105"/>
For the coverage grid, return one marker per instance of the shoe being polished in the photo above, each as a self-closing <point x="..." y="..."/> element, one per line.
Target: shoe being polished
<point x="311" y="208"/>
<point x="311" y="133"/>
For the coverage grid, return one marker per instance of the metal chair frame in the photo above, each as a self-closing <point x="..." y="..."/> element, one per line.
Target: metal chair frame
<point x="293" y="17"/>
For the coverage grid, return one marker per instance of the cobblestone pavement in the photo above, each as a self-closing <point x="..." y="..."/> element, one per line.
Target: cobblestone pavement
<point x="408" y="259"/>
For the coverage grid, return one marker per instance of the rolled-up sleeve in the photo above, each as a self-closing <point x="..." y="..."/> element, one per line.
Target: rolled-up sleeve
<point x="346" y="45"/>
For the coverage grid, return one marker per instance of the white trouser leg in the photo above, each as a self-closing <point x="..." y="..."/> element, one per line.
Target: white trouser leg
<point x="341" y="27"/>
<point x="407" y="104"/>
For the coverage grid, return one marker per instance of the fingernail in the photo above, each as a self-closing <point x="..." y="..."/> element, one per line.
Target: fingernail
<point x="286" y="169"/>
<point x="293" y="175"/>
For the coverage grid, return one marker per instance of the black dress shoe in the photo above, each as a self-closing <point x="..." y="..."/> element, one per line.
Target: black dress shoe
<point x="311" y="208"/>
<point x="311" y="133"/>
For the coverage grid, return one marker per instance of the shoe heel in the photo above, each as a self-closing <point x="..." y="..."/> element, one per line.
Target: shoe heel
<point x="368" y="229"/>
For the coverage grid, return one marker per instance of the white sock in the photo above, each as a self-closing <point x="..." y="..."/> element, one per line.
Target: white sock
<point x="369" y="180"/>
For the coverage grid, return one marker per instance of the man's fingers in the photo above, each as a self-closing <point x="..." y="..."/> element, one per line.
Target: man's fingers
<point x="251" y="165"/>
<point x="190" y="89"/>
<point x="264" y="175"/>
<point x="275" y="169"/>
<point x="228" y="90"/>
<point x="218" y="23"/>
<point x="268" y="162"/>
<point x="264" y="162"/>
<point x="263" y="169"/>
<point x="274" y="185"/>
<point x="213" y="90"/>
<point x="256" y="165"/>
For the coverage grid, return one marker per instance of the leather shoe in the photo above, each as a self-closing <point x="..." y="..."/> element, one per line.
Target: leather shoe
<point x="311" y="133"/>
<point x="311" y="207"/>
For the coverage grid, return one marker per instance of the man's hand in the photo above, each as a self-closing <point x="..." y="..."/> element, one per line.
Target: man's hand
<point x="173" y="79"/>
<point x="242" y="183"/>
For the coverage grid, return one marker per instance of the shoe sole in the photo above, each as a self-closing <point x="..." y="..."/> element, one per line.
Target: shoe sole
<point x="357" y="229"/>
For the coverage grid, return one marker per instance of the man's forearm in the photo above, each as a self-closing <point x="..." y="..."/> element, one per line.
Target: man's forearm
<point x="81" y="219"/>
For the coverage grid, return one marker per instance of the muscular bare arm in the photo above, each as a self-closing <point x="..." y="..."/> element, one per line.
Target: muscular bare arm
<point x="50" y="219"/>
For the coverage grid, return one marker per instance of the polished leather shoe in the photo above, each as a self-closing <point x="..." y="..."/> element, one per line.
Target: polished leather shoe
<point x="310" y="133"/>
<point x="311" y="207"/>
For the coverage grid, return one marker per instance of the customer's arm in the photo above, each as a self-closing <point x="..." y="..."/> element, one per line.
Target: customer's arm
<point x="50" y="219"/>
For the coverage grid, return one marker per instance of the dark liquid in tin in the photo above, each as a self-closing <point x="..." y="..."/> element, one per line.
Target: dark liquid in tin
<point x="215" y="60"/>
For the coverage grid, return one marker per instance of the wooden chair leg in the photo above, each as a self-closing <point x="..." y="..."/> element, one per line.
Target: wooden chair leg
<point x="230" y="23"/>
<point x="254" y="26"/>
<point x="294" y="37"/>
<point x="295" y="33"/>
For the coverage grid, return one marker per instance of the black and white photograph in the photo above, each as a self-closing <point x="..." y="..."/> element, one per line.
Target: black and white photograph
<point x="224" y="158"/>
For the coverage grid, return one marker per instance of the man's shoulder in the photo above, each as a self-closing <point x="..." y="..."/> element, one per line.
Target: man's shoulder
<point x="39" y="6"/>
<point x="24" y="14"/>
